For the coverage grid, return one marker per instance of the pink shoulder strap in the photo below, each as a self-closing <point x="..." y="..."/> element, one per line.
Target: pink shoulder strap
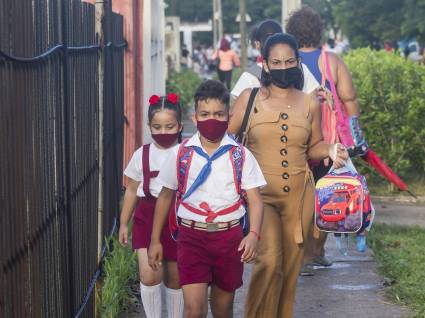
<point x="338" y="104"/>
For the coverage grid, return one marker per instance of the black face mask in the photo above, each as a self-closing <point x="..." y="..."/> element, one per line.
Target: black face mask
<point x="290" y="77"/>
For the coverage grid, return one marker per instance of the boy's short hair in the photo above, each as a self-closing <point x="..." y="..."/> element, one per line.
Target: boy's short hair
<point x="211" y="89"/>
<point x="266" y="28"/>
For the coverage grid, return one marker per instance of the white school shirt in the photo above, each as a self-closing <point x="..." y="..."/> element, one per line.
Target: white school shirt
<point x="134" y="168"/>
<point x="219" y="189"/>
<point x="248" y="80"/>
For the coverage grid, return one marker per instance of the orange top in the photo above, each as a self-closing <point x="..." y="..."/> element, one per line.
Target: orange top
<point x="227" y="59"/>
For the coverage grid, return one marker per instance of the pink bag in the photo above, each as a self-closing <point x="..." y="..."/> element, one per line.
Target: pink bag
<point x="335" y="122"/>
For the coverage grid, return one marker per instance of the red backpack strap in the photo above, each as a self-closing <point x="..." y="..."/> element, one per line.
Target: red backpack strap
<point x="183" y="162"/>
<point x="147" y="173"/>
<point x="237" y="158"/>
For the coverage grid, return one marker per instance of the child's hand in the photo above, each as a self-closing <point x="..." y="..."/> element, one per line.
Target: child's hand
<point x="250" y="246"/>
<point x="155" y="256"/>
<point x="123" y="235"/>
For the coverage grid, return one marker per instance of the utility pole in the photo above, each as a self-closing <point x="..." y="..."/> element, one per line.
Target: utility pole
<point x="217" y="21"/>
<point x="242" y="28"/>
<point x="220" y="20"/>
<point x="214" y="24"/>
<point x="287" y="7"/>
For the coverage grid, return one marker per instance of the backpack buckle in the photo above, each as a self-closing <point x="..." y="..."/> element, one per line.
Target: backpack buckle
<point x="212" y="227"/>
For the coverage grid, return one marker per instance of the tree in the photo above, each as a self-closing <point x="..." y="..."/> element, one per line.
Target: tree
<point x="364" y="22"/>
<point x="414" y="22"/>
<point x="326" y="11"/>
<point x="201" y="10"/>
<point x="367" y="22"/>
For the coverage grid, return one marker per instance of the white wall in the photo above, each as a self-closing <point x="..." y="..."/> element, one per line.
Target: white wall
<point x="153" y="55"/>
<point x="172" y="42"/>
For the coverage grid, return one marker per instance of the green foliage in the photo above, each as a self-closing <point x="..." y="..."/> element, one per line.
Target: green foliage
<point x="391" y="93"/>
<point x="399" y="252"/>
<point x="119" y="269"/>
<point x="198" y="10"/>
<point x="184" y="84"/>
<point x="414" y="22"/>
<point x="326" y="10"/>
<point x="365" y="22"/>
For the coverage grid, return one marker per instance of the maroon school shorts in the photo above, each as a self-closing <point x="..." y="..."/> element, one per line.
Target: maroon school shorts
<point x="142" y="229"/>
<point x="210" y="257"/>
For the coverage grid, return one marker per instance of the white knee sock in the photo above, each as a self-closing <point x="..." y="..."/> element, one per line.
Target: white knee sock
<point x="152" y="300"/>
<point x="175" y="303"/>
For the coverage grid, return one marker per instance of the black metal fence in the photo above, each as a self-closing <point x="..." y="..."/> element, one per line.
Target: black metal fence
<point x="49" y="153"/>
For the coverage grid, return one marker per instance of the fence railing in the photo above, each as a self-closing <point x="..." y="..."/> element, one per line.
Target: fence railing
<point x="49" y="158"/>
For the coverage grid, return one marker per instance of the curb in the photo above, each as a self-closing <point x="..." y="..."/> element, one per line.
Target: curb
<point x="402" y="199"/>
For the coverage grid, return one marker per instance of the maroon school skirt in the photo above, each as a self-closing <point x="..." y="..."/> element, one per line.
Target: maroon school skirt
<point x="142" y="229"/>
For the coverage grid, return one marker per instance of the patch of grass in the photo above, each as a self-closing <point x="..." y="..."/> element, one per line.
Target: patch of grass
<point x="119" y="269"/>
<point x="400" y="253"/>
<point x="237" y="72"/>
<point x="417" y="187"/>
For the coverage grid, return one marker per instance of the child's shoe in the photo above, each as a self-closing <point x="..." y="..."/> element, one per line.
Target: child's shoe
<point x="361" y="243"/>
<point x="342" y="244"/>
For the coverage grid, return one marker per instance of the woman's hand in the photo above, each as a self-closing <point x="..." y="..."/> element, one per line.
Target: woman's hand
<point x="338" y="153"/>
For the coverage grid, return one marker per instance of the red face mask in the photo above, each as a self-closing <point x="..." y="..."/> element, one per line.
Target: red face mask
<point x="165" y="140"/>
<point x="212" y="129"/>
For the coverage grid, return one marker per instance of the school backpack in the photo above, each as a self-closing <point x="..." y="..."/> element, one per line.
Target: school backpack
<point x="184" y="159"/>
<point x="342" y="205"/>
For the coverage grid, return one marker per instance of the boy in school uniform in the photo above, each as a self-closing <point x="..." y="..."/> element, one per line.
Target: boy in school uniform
<point x="211" y="175"/>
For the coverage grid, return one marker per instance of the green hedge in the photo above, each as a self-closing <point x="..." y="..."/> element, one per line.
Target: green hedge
<point x="391" y="93"/>
<point x="184" y="84"/>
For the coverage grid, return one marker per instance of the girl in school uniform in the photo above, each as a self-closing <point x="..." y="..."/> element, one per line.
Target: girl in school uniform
<point x="164" y="117"/>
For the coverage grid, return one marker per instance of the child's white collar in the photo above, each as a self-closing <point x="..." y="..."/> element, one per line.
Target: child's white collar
<point x="196" y="141"/>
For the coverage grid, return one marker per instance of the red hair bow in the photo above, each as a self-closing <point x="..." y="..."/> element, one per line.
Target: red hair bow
<point x="173" y="98"/>
<point x="154" y="99"/>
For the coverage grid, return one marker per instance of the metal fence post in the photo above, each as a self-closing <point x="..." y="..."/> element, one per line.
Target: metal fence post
<point x="66" y="149"/>
<point x="100" y="13"/>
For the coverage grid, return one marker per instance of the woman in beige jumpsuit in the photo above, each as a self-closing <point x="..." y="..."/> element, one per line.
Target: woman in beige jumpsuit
<point x="283" y="133"/>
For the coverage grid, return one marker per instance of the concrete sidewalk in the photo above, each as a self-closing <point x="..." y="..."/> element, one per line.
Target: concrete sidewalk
<point x="350" y="288"/>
